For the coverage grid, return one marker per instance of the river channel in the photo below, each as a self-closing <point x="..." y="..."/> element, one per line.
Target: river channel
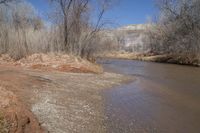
<point x="162" y="98"/>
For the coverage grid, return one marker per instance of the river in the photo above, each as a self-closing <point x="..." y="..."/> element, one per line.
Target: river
<point x="162" y="98"/>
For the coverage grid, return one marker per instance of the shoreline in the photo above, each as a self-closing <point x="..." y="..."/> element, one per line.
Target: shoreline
<point x="68" y="98"/>
<point x="164" y="58"/>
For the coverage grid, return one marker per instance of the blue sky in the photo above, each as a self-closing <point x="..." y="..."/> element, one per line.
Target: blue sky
<point x="123" y="13"/>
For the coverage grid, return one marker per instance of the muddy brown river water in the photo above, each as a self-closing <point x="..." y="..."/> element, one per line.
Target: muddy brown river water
<point x="164" y="98"/>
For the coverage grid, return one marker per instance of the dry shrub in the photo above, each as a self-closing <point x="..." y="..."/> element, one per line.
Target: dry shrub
<point x="178" y="29"/>
<point x="23" y="32"/>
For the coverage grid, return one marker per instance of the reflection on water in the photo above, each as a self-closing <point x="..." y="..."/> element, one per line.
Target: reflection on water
<point x="163" y="98"/>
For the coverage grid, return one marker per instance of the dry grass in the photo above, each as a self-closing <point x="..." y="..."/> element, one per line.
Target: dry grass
<point x="182" y="59"/>
<point x="125" y="55"/>
<point x="52" y="61"/>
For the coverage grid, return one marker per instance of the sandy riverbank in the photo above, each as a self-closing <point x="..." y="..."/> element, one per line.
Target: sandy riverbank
<point x="58" y="101"/>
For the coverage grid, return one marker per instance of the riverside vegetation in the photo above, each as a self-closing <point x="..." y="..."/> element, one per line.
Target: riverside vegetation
<point x="177" y="31"/>
<point x="23" y="32"/>
<point x="172" y="38"/>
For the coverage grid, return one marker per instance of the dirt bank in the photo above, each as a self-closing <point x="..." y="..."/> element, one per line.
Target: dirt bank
<point x="62" y="102"/>
<point x="15" y="116"/>
<point x="164" y="58"/>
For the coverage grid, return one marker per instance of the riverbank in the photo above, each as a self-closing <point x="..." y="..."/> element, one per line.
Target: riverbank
<point x="65" y="87"/>
<point x="164" y="58"/>
<point x="53" y="62"/>
<point x="15" y="117"/>
<point x="73" y="101"/>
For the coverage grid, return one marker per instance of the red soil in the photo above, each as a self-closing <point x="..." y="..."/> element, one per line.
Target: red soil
<point x="18" y="118"/>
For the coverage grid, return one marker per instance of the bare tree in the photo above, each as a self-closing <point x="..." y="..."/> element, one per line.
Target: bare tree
<point x="72" y="31"/>
<point x="5" y="1"/>
<point x="19" y="27"/>
<point x="79" y="33"/>
<point x="177" y="30"/>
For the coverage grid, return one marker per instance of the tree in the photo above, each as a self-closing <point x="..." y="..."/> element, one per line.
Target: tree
<point x="178" y="28"/>
<point x="18" y="22"/>
<point x="5" y="1"/>
<point x="79" y="33"/>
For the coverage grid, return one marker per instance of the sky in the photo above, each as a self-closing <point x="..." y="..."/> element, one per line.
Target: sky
<point x="124" y="12"/>
<point x="132" y="11"/>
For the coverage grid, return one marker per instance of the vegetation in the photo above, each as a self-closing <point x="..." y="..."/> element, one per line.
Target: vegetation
<point x="177" y="30"/>
<point x="24" y="32"/>
<point x="73" y="31"/>
<point x="173" y="38"/>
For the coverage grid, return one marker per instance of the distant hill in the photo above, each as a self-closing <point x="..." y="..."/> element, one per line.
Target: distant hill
<point x="134" y="37"/>
<point x="135" y="27"/>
